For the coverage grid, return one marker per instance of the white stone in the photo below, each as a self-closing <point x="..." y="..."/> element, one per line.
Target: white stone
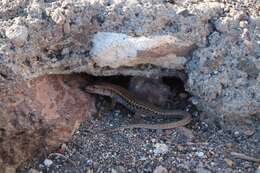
<point x="200" y="154"/>
<point x="58" y="17"/>
<point x="113" y="170"/>
<point x="33" y="171"/>
<point x="47" y="162"/>
<point x="160" y="148"/>
<point x="115" y="50"/>
<point x="17" y="34"/>
<point x="160" y="169"/>
<point x="202" y="170"/>
<point x="258" y="169"/>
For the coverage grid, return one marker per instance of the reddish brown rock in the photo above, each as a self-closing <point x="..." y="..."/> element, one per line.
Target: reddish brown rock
<point x="42" y="112"/>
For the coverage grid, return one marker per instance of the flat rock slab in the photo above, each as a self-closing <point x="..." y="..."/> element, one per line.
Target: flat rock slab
<point x="116" y="50"/>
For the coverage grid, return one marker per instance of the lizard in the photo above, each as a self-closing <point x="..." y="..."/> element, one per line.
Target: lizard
<point x="124" y="97"/>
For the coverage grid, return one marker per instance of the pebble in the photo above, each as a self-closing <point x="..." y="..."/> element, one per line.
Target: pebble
<point x="249" y="132"/>
<point x="160" y="148"/>
<point x="202" y="170"/>
<point x="57" y="16"/>
<point x="113" y="170"/>
<point x="143" y="158"/>
<point x="90" y="171"/>
<point x="258" y="169"/>
<point x="200" y="154"/>
<point x="33" y="171"/>
<point x="18" y="34"/>
<point x="236" y="133"/>
<point x="204" y="126"/>
<point x="153" y="140"/>
<point x="48" y="162"/>
<point x="118" y="169"/>
<point x="160" y="169"/>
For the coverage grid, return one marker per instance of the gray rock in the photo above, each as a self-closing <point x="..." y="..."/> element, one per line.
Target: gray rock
<point x="160" y="169"/>
<point x="160" y="148"/>
<point x="47" y="162"/>
<point x="202" y="170"/>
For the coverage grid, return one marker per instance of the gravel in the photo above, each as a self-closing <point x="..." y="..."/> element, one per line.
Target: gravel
<point x="141" y="150"/>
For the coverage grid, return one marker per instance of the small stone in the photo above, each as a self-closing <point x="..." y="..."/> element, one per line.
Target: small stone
<point x="90" y="171"/>
<point x="229" y="162"/>
<point x="58" y="17"/>
<point x="160" y="148"/>
<point x="200" y="154"/>
<point x="33" y="171"/>
<point x="48" y="162"/>
<point x="236" y="133"/>
<point x="113" y="170"/>
<point x="143" y="158"/>
<point x="249" y="132"/>
<point x="17" y="34"/>
<point x="204" y="126"/>
<point x="202" y="170"/>
<point x="118" y="169"/>
<point x="160" y="169"/>
<point x="153" y="140"/>
<point x="258" y="169"/>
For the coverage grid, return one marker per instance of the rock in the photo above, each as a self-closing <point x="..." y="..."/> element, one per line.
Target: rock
<point x="40" y="113"/>
<point x="236" y="133"/>
<point x="115" y="50"/>
<point x="200" y="154"/>
<point x="58" y="17"/>
<point x="160" y="148"/>
<point x="17" y="34"/>
<point x="160" y="169"/>
<point x="202" y="170"/>
<point x="214" y="44"/>
<point x="249" y="132"/>
<point x="33" y="171"/>
<point x="258" y="170"/>
<point x="118" y="169"/>
<point x="90" y="171"/>
<point x="47" y="162"/>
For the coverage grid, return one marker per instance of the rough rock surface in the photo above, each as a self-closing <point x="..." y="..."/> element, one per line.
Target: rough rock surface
<point x="39" y="114"/>
<point x="218" y="41"/>
<point x="218" y="47"/>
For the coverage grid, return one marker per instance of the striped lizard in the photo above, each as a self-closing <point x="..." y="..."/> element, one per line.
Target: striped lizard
<point x="125" y="98"/>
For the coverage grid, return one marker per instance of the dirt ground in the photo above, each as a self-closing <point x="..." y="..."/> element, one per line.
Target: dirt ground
<point x="203" y="146"/>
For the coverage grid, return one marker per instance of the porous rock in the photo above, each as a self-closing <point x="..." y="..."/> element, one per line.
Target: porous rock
<point x="217" y="45"/>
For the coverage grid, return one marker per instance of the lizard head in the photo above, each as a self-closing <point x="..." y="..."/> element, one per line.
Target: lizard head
<point x="98" y="89"/>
